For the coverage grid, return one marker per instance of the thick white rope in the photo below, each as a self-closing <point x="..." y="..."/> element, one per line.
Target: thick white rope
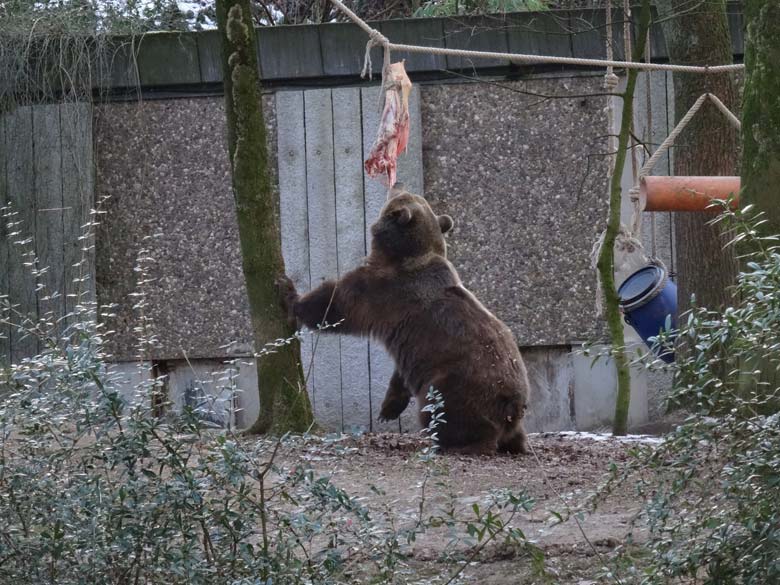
<point x="377" y="38"/>
<point x="726" y="112"/>
<point x="666" y="144"/>
<point x="541" y="59"/>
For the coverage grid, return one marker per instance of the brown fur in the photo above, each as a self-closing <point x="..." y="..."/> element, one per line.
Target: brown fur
<point x="408" y="296"/>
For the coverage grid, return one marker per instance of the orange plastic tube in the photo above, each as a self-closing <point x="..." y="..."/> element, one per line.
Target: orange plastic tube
<point x="688" y="193"/>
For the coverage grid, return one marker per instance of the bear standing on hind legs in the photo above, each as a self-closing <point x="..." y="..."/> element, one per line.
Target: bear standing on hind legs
<point x="408" y="296"/>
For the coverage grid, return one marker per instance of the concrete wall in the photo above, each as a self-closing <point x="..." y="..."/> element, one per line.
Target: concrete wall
<point x="523" y="180"/>
<point x="568" y="391"/>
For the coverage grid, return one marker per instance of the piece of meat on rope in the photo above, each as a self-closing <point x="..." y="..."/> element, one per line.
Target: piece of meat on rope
<point x="393" y="134"/>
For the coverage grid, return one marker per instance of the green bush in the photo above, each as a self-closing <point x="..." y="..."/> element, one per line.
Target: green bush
<point x="713" y="488"/>
<point x="97" y="487"/>
<point x="471" y="7"/>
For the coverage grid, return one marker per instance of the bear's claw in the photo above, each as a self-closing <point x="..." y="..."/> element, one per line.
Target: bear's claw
<point x="288" y="295"/>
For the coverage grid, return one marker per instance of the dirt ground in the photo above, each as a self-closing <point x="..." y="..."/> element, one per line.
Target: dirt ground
<point x="565" y="469"/>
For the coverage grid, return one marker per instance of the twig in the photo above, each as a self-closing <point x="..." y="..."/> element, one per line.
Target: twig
<point x="571" y="514"/>
<point x="544" y="96"/>
<point x="480" y="548"/>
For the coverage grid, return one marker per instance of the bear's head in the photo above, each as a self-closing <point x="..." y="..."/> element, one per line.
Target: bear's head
<point x="408" y="227"/>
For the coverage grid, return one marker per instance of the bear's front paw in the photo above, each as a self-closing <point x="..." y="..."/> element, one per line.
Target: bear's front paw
<point x="392" y="409"/>
<point x="285" y="288"/>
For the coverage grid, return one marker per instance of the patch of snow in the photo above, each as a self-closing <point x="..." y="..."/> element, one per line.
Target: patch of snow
<point x="650" y="439"/>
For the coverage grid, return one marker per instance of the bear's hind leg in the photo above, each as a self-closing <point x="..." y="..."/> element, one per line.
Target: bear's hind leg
<point x="473" y="436"/>
<point x="484" y="447"/>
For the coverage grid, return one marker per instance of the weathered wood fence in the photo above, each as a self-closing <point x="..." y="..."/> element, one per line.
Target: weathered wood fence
<point x="327" y="208"/>
<point x="46" y="193"/>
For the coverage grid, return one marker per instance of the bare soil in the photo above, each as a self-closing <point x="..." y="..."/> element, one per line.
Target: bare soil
<point x="386" y="470"/>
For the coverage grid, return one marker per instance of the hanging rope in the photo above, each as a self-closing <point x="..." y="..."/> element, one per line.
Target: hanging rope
<point x="666" y="144"/>
<point x="547" y="59"/>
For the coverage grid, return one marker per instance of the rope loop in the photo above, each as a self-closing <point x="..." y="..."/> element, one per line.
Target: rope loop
<point x="611" y="81"/>
<point x="375" y="39"/>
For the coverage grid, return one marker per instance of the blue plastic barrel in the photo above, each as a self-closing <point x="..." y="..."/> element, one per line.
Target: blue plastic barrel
<point x="648" y="299"/>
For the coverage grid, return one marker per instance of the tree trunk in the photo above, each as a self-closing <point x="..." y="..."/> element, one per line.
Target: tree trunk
<point x="761" y="154"/>
<point x="761" y="112"/>
<point x="606" y="260"/>
<point x="707" y="146"/>
<point x="284" y="402"/>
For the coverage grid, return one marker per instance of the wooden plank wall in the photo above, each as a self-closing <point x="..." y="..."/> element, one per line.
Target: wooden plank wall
<point x="78" y="195"/>
<point x="327" y="207"/>
<point x="46" y="182"/>
<point x="5" y="330"/>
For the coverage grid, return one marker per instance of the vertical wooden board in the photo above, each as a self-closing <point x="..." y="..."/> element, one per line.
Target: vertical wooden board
<point x="588" y="29"/>
<point x="78" y="196"/>
<point x="323" y="249"/>
<point x="410" y="169"/>
<point x="350" y="230"/>
<point x="293" y="207"/>
<point x="5" y="331"/>
<point x="539" y="33"/>
<point x="427" y="32"/>
<point x="209" y="56"/>
<point x="737" y="28"/>
<point x="47" y="170"/>
<point x="658" y="48"/>
<point x="168" y="59"/>
<point x="380" y="363"/>
<point x="343" y="47"/>
<point x="116" y="66"/>
<point x="480" y="33"/>
<point x="291" y="143"/>
<point x="280" y="60"/>
<point x="21" y="195"/>
<point x="410" y="173"/>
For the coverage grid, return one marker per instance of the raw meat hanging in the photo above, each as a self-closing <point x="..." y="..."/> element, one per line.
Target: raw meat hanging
<point x="393" y="134"/>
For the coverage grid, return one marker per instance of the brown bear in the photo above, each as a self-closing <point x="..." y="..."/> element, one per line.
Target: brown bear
<point x="408" y="296"/>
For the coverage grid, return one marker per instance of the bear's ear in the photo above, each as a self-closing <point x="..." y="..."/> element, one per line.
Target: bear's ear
<point x="402" y="215"/>
<point x="445" y="223"/>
